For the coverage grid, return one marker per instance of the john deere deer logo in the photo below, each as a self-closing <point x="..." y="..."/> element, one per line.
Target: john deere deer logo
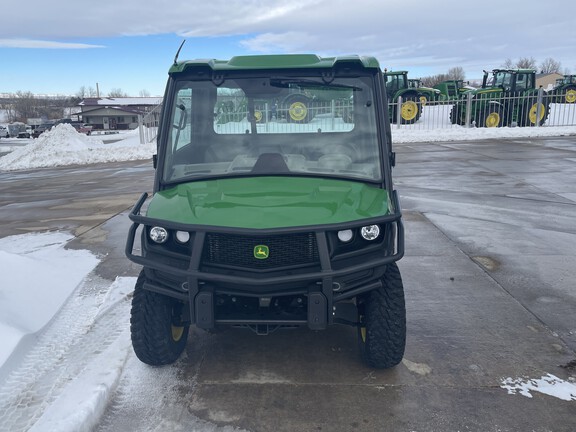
<point x="261" y="252"/>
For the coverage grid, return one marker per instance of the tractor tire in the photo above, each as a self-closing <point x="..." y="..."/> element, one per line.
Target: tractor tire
<point x="492" y="116"/>
<point x="298" y="109"/>
<point x="530" y="110"/>
<point x="158" y="334"/>
<point x="382" y="317"/>
<point x="458" y="115"/>
<point x="569" y="95"/>
<point x="410" y="110"/>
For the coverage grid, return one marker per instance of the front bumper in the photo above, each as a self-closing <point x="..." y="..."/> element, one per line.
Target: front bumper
<point x="321" y="284"/>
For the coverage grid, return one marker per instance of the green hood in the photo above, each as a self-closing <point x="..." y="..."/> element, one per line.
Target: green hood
<point x="269" y="202"/>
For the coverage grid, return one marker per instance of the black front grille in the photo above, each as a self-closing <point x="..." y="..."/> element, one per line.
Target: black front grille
<point x="286" y="250"/>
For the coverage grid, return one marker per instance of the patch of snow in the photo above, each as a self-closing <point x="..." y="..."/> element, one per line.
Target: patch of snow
<point x="549" y="384"/>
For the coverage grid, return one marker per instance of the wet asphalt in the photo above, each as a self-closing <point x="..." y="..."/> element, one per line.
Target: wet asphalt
<point x="489" y="277"/>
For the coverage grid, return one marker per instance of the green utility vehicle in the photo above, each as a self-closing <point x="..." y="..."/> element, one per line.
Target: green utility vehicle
<point x="270" y="224"/>
<point x="507" y="97"/>
<point x="565" y="90"/>
<point x="397" y="85"/>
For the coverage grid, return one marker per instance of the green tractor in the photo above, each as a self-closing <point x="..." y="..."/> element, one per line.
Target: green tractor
<point x="451" y="89"/>
<point x="565" y="90"/>
<point x="507" y="97"/>
<point x="427" y="94"/>
<point x="397" y="84"/>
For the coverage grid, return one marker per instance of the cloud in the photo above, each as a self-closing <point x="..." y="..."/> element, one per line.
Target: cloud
<point x="43" y="44"/>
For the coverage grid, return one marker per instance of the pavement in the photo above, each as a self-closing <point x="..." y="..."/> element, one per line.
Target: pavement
<point x="490" y="294"/>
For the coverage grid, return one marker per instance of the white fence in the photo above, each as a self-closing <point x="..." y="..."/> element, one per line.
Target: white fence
<point x="148" y="125"/>
<point x="437" y="114"/>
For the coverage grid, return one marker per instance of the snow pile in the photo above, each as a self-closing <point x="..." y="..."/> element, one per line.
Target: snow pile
<point x="33" y="287"/>
<point x="549" y="384"/>
<point x="63" y="145"/>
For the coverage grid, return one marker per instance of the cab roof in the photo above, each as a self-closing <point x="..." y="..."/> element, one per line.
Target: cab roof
<point x="275" y="61"/>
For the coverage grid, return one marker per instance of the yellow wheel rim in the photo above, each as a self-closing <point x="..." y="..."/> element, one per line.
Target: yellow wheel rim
<point x="258" y="115"/>
<point x="409" y="110"/>
<point x="177" y="333"/>
<point x="571" y="96"/>
<point x="297" y="111"/>
<point x="363" y="333"/>
<point x="534" y="110"/>
<point x="493" y="120"/>
<point x="423" y="100"/>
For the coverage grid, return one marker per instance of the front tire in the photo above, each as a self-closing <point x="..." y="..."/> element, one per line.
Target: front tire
<point x="382" y="330"/>
<point x="158" y="334"/>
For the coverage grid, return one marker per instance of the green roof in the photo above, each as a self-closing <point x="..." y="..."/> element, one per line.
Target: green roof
<point x="276" y="61"/>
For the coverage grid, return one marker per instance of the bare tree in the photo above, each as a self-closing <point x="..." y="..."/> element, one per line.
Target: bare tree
<point x="456" y="73"/>
<point x="144" y="93"/>
<point x="526" y="63"/>
<point x="508" y="64"/>
<point x="116" y="92"/>
<point x="550" y="66"/>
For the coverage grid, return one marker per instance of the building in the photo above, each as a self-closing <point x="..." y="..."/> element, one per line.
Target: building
<point x="547" y="81"/>
<point x="116" y="113"/>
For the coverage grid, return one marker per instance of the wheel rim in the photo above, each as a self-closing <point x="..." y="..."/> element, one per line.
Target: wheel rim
<point x="297" y="111"/>
<point x="177" y="332"/>
<point x="258" y="115"/>
<point x="534" y="111"/>
<point x="409" y="110"/>
<point x="493" y="120"/>
<point x="423" y="100"/>
<point x="570" y="95"/>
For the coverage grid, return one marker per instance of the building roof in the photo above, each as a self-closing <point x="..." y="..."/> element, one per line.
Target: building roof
<point x="121" y="101"/>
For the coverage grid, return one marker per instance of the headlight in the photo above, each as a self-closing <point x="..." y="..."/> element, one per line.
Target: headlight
<point x="345" y="235"/>
<point x="158" y="234"/>
<point x="182" y="236"/>
<point x="370" y="232"/>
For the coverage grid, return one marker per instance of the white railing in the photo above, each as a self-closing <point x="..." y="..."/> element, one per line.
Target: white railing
<point x="439" y="114"/>
<point x="148" y="125"/>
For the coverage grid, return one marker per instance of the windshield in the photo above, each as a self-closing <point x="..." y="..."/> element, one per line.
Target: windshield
<point x="502" y="79"/>
<point x="281" y="125"/>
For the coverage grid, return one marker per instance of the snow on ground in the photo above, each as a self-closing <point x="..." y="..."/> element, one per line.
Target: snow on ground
<point x="44" y="343"/>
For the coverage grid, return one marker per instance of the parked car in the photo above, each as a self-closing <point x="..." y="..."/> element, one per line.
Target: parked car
<point x="4" y="132"/>
<point x="41" y="129"/>
<point x="82" y="128"/>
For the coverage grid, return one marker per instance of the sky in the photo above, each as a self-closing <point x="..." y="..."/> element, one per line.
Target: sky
<point x="59" y="47"/>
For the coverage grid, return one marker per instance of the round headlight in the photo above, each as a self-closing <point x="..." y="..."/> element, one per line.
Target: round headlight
<point x="370" y="232"/>
<point x="182" y="236"/>
<point x="158" y="234"/>
<point x="345" y="235"/>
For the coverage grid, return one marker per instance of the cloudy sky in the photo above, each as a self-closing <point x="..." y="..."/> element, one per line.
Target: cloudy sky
<point x="59" y="46"/>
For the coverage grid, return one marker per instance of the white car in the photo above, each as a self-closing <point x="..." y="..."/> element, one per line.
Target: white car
<point x="4" y="132"/>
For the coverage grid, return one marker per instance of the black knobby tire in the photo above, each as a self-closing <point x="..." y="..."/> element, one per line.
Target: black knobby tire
<point x="568" y="95"/>
<point x="298" y="109"/>
<point x="457" y="115"/>
<point x="528" y="115"/>
<point x="382" y="330"/>
<point x="491" y="116"/>
<point x="158" y="335"/>
<point x="410" y="110"/>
